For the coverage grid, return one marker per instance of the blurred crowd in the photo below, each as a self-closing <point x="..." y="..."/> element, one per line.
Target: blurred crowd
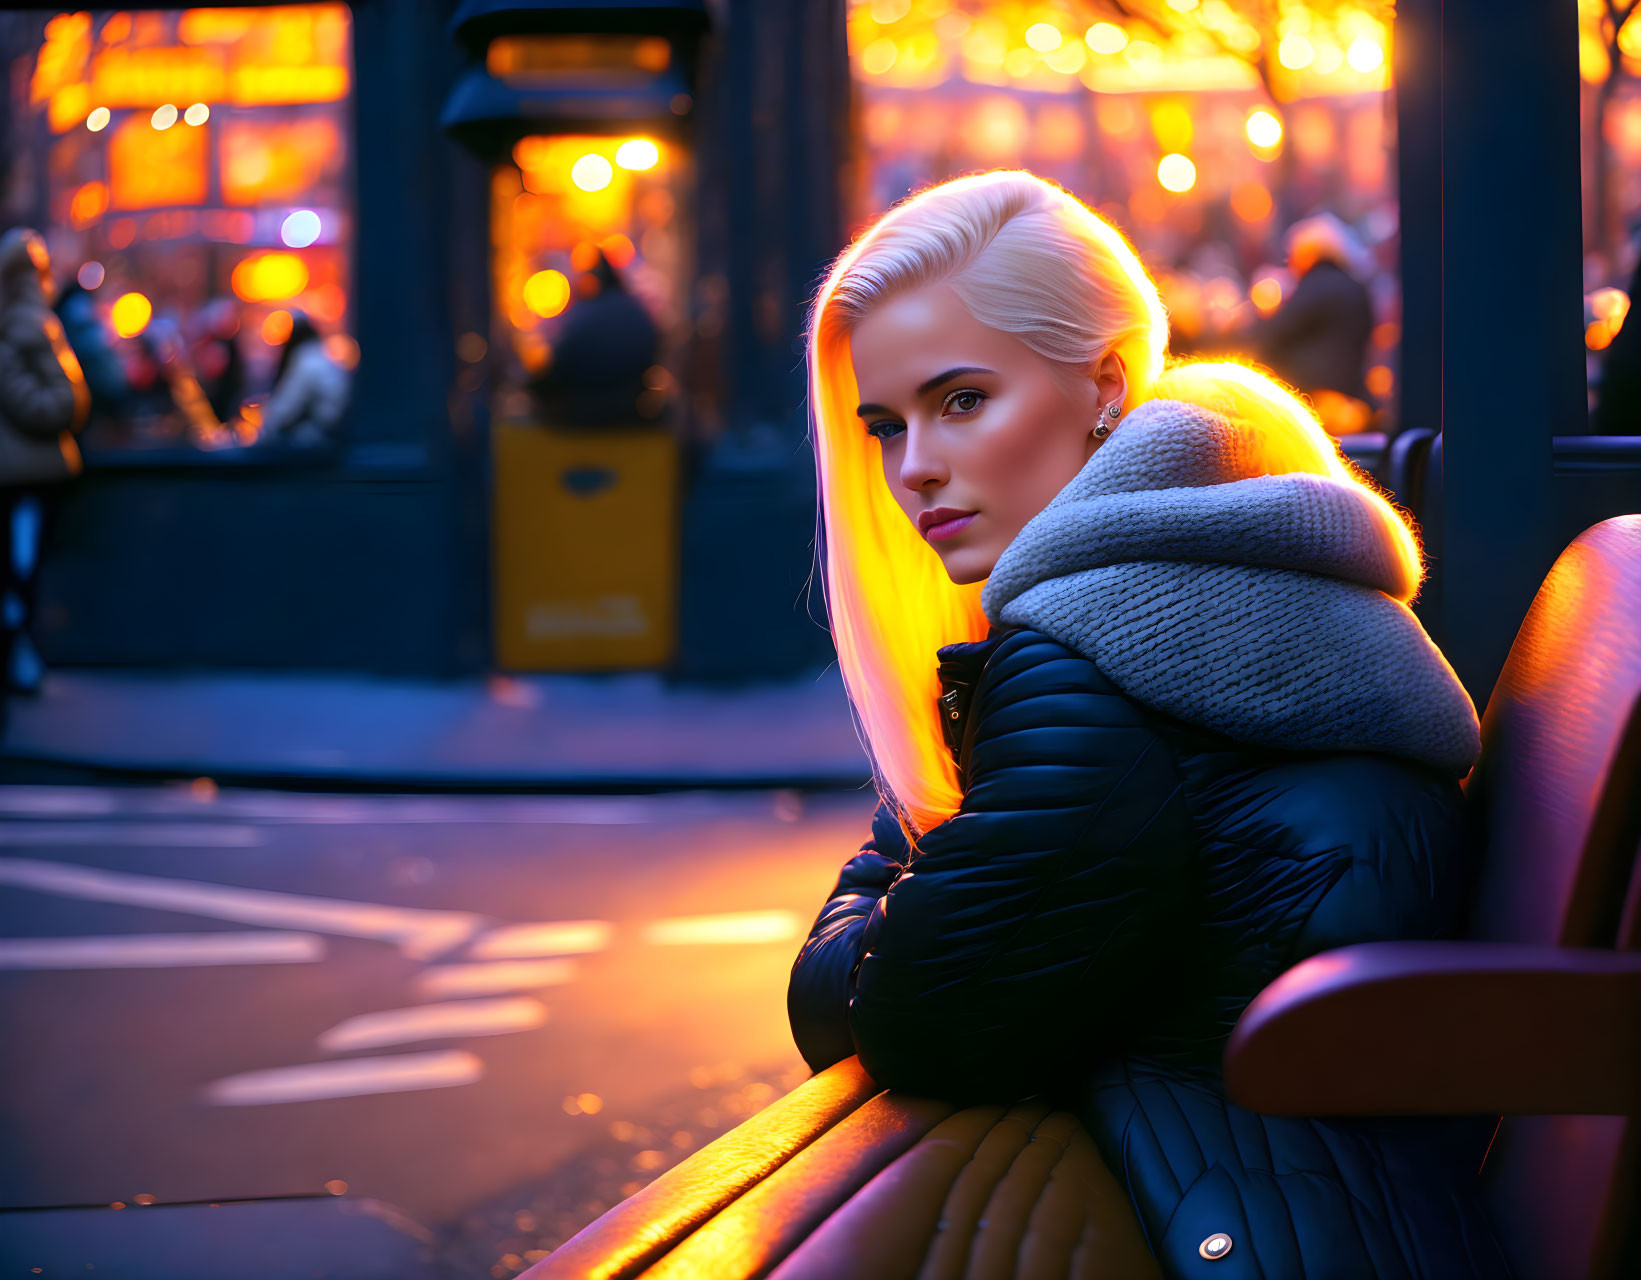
<point x="64" y="372"/>
<point x="184" y="378"/>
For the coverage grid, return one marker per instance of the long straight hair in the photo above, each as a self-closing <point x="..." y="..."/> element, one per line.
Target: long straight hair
<point x="1027" y="258"/>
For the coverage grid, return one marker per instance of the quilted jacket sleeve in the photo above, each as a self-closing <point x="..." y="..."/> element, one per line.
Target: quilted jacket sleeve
<point x="817" y="996"/>
<point x="1040" y="920"/>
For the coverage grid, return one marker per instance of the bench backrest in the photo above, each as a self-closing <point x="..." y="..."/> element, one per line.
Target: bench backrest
<point x="1558" y="796"/>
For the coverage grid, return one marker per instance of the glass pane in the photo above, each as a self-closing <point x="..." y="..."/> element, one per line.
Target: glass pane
<point x="1204" y="129"/>
<point x="190" y="170"/>
<point x="589" y="260"/>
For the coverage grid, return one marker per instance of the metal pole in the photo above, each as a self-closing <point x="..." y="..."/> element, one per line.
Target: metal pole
<point x="1505" y="123"/>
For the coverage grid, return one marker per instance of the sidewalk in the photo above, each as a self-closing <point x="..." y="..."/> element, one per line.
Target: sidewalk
<point x="625" y="730"/>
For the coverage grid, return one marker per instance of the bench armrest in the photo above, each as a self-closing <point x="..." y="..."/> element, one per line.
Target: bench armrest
<point x="1443" y="1028"/>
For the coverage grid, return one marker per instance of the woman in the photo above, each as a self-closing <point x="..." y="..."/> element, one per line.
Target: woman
<point x="1150" y="721"/>
<point x="43" y="402"/>
<point x="310" y="391"/>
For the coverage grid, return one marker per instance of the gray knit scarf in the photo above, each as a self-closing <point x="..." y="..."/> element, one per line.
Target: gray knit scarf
<point x="1256" y="604"/>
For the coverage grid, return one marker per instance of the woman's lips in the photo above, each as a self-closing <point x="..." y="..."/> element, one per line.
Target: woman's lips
<point x="949" y="528"/>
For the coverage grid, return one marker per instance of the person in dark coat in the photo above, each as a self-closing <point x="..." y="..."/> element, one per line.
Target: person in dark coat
<point x="609" y="342"/>
<point x="1317" y="339"/>
<point x="94" y="348"/>
<point x="44" y="401"/>
<point x="1187" y="734"/>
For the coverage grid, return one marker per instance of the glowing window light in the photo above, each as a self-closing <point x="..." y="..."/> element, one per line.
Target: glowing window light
<point x="1105" y="37"/>
<point x="1264" y="129"/>
<point x="270" y="277"/>
<point x="130" y="314"/>
<point x="98" y="120"/>
<point x="1068" y="59"/>
<point x="1329" y="58"/>
<point x="1143" y="56"/>
<point x="90" y="275"/>
<point x="164" y="117"/>
<point x="1171" y="123"/>
<point x="1176" y="172"/>
<point x="592" y="172"/>
<point x="300" y="229"/>
<point x="1365" y="55"/>
<point x="197" y="114"/>
<point x="879" y="56"/>
<point x="886" y="11"/>
<point x="1295" y="52"/>
<point x="276" y="329"/>
<point x="547" y="293"/>
<point x="1020" y="62"/>
<point x="1043" y="36"/>
<point x="637" y="153"/>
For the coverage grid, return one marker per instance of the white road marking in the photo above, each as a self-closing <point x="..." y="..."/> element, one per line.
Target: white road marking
<point x="169" y="835"/>
<point x="274" y="806"/>
<point x="420" y="934"/>
<point x="737" y="926"/>
<point x="442" y="980"/>
<point x="42" y="802"/>
<point x="160" y="950"/>
<point x="349" y="1078"/>
<point x="556" y="938"/>
<point x="435" y="1022"/>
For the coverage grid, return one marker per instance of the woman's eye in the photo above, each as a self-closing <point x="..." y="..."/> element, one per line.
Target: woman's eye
<point x="873" y="429"/>
<point x="957" y="398"/>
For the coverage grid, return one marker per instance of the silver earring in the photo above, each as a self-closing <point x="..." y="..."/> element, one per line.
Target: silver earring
<point x="1104" y="429"/>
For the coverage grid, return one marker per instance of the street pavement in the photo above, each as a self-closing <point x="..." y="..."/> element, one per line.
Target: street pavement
<point x="498" y="1015"/>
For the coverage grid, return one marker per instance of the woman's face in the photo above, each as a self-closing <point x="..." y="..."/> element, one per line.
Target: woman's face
<point x="972" y="419"/>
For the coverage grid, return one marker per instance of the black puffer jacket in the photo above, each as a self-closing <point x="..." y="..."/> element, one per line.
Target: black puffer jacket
<point x="1115" y="888"/>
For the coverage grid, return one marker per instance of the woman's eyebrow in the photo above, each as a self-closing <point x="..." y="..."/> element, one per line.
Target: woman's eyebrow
<point x="927" y="387"/>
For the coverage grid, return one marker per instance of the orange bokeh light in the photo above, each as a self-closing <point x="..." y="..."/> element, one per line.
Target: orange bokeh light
<point x="1266" y="294"/>
<point x="90" y="203"/>
<point x="276" y="328"/>
<point x="618" y="249"/>
<point x="270" y="277"/>
<point x="1251" y="202"/>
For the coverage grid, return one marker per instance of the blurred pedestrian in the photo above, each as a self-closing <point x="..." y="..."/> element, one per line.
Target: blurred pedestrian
<point x="310" y="391"/>
<point x="44" y="400"/>
<point x="216" y="357"/>
<point x="609" y="342"/>
<point x="93" y="346"/>
<point x="1317" y="339"/>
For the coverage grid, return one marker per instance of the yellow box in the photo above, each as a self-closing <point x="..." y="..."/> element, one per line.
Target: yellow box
<point x="586" y="541"/>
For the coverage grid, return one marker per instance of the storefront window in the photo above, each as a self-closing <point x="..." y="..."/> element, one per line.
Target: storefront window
<point x="588" y="272"/>
<point x="1203" y="128"/>
<point x="191" y="171"/>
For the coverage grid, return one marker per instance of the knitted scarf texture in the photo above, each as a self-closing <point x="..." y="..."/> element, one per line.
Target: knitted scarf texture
<point x="1265" y="606"/>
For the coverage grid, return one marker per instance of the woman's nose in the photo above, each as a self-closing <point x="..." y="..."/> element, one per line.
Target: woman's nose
<point x="921" y="462"/>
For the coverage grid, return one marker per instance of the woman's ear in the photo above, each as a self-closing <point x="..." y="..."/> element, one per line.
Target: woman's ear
<point x="1111" y="379"/>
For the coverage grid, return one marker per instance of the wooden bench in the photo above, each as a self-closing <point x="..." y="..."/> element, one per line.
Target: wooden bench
<point x="1535" y="1017"/>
